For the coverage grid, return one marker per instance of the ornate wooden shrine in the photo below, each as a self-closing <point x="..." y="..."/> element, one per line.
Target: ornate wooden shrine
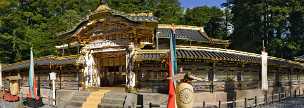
<point x="110" y="45"/>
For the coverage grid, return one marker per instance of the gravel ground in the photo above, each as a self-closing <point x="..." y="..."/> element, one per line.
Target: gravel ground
<point x="63" y="96"/>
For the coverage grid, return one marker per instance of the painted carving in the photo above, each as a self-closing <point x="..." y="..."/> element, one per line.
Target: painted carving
<point x="184" y="95"/>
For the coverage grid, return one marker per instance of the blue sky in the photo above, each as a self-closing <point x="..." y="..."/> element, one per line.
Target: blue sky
<point x="195" y="3"/>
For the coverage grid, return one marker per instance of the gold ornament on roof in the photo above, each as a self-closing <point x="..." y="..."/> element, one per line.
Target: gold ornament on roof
<point x="103" y="8"/>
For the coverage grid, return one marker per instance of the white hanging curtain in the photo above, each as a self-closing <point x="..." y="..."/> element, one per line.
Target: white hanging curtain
<point x="91" y="73"/>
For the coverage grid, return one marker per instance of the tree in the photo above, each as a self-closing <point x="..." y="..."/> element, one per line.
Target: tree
<point x="212" y="18"/>
<point x="25" y="24"/>
<point x="35" y="23"/>
<point x="276" y="23"/>
<point x="168" y="11"/>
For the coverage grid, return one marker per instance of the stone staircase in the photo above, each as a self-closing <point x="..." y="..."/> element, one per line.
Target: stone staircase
<point x="94" y="99"/>
<point x="113" y="100"/>
<point x="77" y="99"/>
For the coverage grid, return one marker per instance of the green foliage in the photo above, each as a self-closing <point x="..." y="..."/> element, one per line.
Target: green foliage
<point x="249" y="26"/>
<point x="168" y="11"/>
<point x="35" y="24"/>
<point x="202" y="15"/>
<point x="211" y="18"/>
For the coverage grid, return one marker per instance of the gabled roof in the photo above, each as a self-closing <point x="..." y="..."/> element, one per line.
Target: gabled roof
<point x="135" y="17"/>
<point x="190" y="33"/>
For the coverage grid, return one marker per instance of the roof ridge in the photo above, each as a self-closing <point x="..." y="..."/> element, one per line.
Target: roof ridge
<point x="181" y="27"/>
<point x="227" y="51"/>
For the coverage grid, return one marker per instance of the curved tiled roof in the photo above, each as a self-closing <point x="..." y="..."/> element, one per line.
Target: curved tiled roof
<point x="299" y="58"/>
<point x="186" y="32"/>
<point x="46" y="60"/>
<point x="191" y="35"/>
<point x="218" y="54"/>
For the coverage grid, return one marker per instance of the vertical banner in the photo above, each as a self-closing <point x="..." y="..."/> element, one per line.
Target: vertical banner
<point x="31" y="75"/>
<point x="172" y="70"/>
<point x="173" y="52"/>
<point x="264" y="70"/>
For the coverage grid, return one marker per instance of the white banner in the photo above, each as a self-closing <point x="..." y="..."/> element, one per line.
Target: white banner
<point x="264" y="57"/>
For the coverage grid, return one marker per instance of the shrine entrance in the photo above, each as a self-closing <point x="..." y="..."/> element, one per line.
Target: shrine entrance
<point x="111" y="67"/>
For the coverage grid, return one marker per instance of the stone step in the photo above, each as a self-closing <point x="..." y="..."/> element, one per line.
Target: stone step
<point x="78" y="98"/>
<point x="77" y="103"/>
<point x="89" y="105"/>
<point x="115" y="95"/>
<point x="81" y="93"/>
<point x="94" y="97"/>
<point x="113" y="101"/>
<point x="110" y="106"/>
<point x="72" y="106"/>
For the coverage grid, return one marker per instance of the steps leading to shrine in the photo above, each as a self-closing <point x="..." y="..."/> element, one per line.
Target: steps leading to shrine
<point x="77" y="99"/>
<point x="94" y="99"/>
<point x="113" y="100"/>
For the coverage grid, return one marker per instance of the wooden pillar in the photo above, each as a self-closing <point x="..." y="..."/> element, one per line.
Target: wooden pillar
<point x="301" y="75"/>
<point x="48" y="79"/>
<point x="226" y="70"/>
<point x="277" y="79"/>
<point x="289" y="80"/>
<point x="240" y="76"/>
<point x="60" y="76"/>
<point x="297" y="73"/>
<point x="212" y="76"/>
<point x="62" y="51"/>
<point x="78" y="82"/>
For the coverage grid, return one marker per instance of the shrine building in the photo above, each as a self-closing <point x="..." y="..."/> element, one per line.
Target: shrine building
<point x="108" y="48"/>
